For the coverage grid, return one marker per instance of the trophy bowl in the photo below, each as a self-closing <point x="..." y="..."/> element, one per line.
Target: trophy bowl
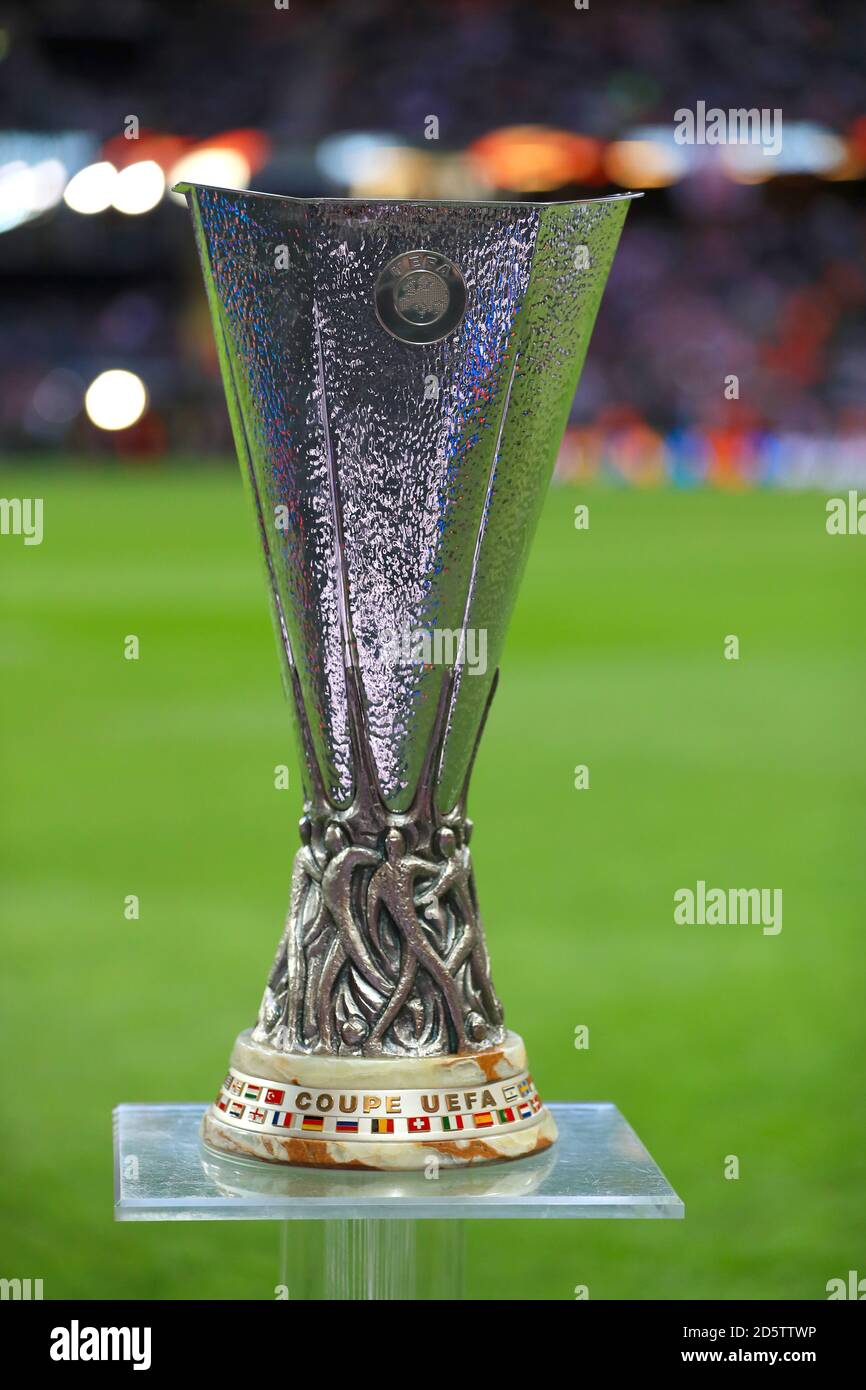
<point x="398" y="376"/>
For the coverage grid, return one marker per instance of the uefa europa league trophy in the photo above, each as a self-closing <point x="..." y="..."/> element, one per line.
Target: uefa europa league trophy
<point x="398" y="376"/>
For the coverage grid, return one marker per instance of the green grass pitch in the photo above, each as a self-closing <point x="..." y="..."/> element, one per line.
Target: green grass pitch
<point x="155" y="777"/>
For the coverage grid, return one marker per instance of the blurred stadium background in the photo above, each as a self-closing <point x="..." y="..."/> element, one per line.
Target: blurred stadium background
<point x="155" y="777"/>
<point x="735" y="262"/>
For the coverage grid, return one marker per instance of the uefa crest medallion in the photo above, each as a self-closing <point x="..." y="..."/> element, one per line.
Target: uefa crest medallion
<point x="420" y="297"/>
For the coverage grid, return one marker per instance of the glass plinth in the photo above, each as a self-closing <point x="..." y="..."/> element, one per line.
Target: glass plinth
<point x="597" y="1168"/>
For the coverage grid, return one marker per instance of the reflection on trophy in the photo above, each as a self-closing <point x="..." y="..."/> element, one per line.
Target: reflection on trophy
<point x="399" y="377"/>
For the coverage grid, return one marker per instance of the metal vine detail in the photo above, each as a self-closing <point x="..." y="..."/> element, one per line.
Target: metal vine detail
<point x="383" y="950"/>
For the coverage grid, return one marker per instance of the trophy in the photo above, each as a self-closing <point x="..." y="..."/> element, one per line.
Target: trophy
<point x="399" y="376"/>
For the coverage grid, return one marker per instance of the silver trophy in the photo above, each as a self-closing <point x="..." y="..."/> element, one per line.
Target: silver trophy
<point x="399" y="376"/>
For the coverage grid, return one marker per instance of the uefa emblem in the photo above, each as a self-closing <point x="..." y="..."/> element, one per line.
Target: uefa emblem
<point x="420" y="297"/>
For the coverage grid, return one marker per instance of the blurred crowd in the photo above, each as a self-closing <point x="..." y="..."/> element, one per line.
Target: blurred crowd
<point x="732" y="342"/>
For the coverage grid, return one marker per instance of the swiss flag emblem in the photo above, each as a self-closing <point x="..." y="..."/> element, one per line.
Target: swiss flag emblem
<point x="418" y="1124"/>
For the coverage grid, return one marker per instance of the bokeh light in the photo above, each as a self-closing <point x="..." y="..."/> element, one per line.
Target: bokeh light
<point x="92" y="188"/>
<point x="358" y="157"/>
<point x="26" y="190"/>
<point x="535" y="158"/>
<point x="644" y="163"/>
<point x="115" y="400"/>
<point x="216" y="164"/>
<point x="138" y="188"/>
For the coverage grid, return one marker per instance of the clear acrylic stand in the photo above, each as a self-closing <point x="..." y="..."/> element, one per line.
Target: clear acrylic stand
<point x="365" y="1235"/>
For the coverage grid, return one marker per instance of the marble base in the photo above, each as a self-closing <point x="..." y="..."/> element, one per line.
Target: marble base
<point x="488" y="1094"/>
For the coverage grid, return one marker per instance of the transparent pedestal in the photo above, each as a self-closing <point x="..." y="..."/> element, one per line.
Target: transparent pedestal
<point x="365" y="1235"/>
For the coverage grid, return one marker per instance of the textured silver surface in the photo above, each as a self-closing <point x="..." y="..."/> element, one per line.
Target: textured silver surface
<point x="397" y="486"/>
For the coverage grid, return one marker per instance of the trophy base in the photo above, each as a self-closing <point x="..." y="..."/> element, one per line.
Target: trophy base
<point x="378" y="1113"/>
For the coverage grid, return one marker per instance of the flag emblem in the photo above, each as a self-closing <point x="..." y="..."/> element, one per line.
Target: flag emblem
<point x="236" y="1087"/>
<point x="524" y="1110"/>
<point x="418" y="1124"/>
<point x="252" y="1092"/>
<point x="506" y="1116"/>
<point x="382" y="1126"/>
<point x="484" y="1117"/>
<point x="452" y="1122"/>
<point x="274" y="1097"/>
<point x="258" y="1116"/>
<point x="236" y="1110"/>
<point x="282" y="1119"/>
<point x="347" y="1126"/>
<point x="313" y="1122"/>
<point x="536" y="1103"/>
<point x="221" y="1103"/>
<point x="227" y="1082"/>
<point x="524" y="1087"/>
